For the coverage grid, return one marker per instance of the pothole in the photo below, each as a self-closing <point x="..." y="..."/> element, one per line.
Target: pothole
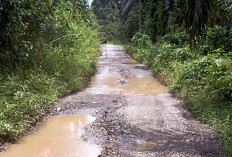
<point x="144" y="85"/>
<point x="130" y="62"/>
<point x="60" y="136"/>
<point x="144" y="145"/>
<point x="139" y="144"/>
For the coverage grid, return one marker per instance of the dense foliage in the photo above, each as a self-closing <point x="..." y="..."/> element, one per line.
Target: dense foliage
<point x="47" y="48"/>
<point x="158" y="17"/>
<point x="187" y="43"/>
<point x="112" y="25"/>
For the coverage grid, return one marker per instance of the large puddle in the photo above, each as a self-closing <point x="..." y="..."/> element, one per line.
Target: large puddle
<point x="60" y="136"/>
<point x="104" y="84"/>
<point x="139" y="144"/>
<point x="144" y="85"/>
<point x="144" y="145"/>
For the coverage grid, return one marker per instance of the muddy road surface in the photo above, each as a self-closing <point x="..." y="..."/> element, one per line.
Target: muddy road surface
<point x="131" y="114"/>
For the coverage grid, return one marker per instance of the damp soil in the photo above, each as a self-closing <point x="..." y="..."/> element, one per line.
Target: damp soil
<point x="134" y="115"/>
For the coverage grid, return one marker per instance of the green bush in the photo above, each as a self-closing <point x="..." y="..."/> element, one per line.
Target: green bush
<point x="23" y="101"/>
<point x="179" y="38"/>
<point x="210" y="73"/>
<point x="141" y="40"/>
<point x="167" y="53"/>
<point x="219" y="40"/>
<point x="142" y="45"/>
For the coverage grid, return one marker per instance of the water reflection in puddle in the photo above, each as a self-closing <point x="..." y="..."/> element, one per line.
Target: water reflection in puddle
<point x="146" y="145"/>
<point x="144" y="85"/>
<point x="58" y="137"/>
<point x="104" y="84"/>
<point x="139" y="144"/>
<point x="130" y="62"/>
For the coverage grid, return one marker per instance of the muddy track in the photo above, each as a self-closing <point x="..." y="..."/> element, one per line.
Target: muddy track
<point x="135" y="114"/>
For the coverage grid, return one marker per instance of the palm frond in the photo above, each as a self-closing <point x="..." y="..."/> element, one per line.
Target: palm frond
<point x="169" y="4"/>
<point x="115" y="4"/>
<point x="225" y="4"/>
<point x="170" y="7"/>
<point x="202" y="9"/>
<point x="126" y="6"/>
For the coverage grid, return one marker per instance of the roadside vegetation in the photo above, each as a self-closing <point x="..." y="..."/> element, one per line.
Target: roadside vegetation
<point x="188" y="46"/>
<point x="47" y="49"/>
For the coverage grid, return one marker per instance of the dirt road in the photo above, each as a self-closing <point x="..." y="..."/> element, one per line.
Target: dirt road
<point x="135" y="115"/>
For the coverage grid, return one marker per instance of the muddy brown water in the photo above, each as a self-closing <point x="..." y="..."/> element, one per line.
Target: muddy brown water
<point x="60" y="136"/>
<point x="143" y="85"/>
<point x="147" y="145"/>
<point x="137" y="85"/>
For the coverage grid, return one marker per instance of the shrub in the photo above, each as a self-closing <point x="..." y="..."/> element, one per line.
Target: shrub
<point x="179" y="38"/>
<point x="219" y="39"/>
<point x="142" y="46"/>
<point x="23" y="100"/>
<point x="209" y="73"/>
